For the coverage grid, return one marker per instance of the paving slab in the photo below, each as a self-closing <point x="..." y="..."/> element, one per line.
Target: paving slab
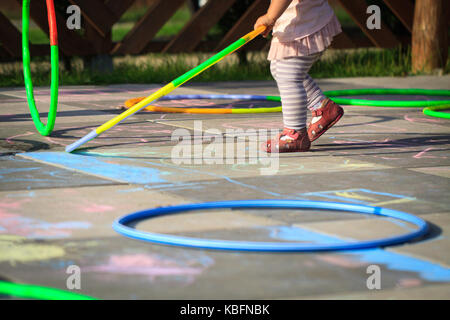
<point x="443" y="171"/>
<point x="23" y="174"/>
<point x="435" y="249"/>
<point x="87" y="211"/>
<point x="145" y="271"/>
<point x="164" y="169"/>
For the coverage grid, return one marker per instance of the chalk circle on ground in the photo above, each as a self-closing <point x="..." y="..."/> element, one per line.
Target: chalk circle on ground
<point x="338" y="96"/>
<point x="121" y="226"/>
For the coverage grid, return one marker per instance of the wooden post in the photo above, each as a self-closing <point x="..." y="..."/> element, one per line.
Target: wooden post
<point x="430" y="36"/>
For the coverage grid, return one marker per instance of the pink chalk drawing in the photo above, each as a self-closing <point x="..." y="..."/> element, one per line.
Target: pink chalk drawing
<point x="409" y="283"/>
<point x="368" y="142"/>
<point x="153" y="266"/>
<point x="341" y="261"/>
<point x="15" y="224"/>
<point x="12" y="204"/>
<point x="378" y="125"/>
<point x="97" y="208"/>
<point x="424" y="120"/>
<point x="17" y="136"/>
<point x="422" y="154"/>
<point x="52" y="141"/>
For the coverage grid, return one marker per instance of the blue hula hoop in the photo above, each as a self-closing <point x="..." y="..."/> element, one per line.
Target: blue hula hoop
<point x="120" y="226"/>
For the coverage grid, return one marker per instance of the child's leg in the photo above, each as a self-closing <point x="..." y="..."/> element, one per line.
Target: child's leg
<point x="314" y="94"/>
<point x="291" y="75"/>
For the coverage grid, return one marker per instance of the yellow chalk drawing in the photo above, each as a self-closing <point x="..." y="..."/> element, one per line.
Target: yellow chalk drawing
<point x="14" y="249"/>
<point x="10" y="237"/>
<point x="85" y="244"/>
<point x="354" y="195"/>
<point x="396" y="201"/>
<point x="347" y="164"/>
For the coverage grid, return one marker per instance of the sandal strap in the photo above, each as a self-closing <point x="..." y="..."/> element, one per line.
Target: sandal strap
<point x="317" y="113"/>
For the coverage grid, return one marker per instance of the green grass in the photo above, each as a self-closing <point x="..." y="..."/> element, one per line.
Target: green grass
<point x="37" y="36"/>
<point x="133" y="14"/>
<point x="365" y="63"/>
<point x="343" y="17"/>
<point x="158" y="68"/>
<point x="170" y="28"/>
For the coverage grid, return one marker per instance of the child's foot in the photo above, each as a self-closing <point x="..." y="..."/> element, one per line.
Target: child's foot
<point x="324" y="118"/>
<point x="289" y="140"/>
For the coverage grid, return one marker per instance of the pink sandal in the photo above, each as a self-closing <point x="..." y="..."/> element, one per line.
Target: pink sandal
<point x="324" y="118"/>
<point x="289" y="140"/>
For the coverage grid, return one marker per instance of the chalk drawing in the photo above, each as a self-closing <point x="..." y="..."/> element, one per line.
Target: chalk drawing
<point x="101" y="168"/>
<point x="30" y="228"/>
<point x="36" y="229"/>
<point x="127" y="133"/>
<point x="354" y="195"/>
<point x="361" y="196"/>
<point x="423" y="120"/>
<point x="96" y="208"/>
<point x="153" y="266"/>
<point x="9" y="139"/>
<point x="186" y="171"/>
<point x="427" y="270"/>
<point x="15" y="249"/>
<point x="389" y="127"/>
<point x="421" y="154"/>
<point x="409" y="283"/>
<point x="341" y="261"/>
<point x="181" y="186"/>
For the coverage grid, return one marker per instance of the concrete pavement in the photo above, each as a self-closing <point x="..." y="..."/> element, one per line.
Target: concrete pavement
<point x="56" y="209"/>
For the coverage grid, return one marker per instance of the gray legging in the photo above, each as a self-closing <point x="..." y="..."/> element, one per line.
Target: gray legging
<point x="298" y="90"/>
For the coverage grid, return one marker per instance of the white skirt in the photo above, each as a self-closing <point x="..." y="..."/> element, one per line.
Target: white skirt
<point x="316" y="42"/>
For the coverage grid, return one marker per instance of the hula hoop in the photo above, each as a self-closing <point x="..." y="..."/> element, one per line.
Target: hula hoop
<point x="432" y="112"/>
<point x="131" y="102"/>
<point x="29" y="291"/>
<point x="334" y="95"/>
<point x="44" y="130"/>
<point x="120" y="226"/>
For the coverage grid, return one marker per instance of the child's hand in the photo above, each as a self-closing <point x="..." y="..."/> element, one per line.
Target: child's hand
<point x="265" y="21"/>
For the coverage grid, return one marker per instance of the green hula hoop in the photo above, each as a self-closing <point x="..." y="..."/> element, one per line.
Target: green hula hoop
<point x="28" y="291"/>
<point x="335" y="94"/>
<point x="44" y="130"/>
<point x="432" y="112"/>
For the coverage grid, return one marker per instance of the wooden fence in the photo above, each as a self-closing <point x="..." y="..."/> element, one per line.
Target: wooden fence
<point x="101" y="15"/>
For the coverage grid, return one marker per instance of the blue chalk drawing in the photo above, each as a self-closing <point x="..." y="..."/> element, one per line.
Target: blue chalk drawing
<point x="94" y="166"/>
<point x="394" y="261"/>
